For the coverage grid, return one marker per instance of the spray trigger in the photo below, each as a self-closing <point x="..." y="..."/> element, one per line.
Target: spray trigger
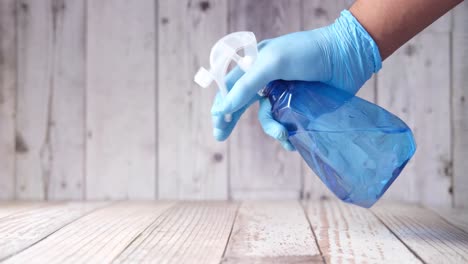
<point x="222" y="54"/>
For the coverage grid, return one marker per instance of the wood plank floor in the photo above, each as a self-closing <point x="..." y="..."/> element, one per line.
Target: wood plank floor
<point x="325" y="231"/>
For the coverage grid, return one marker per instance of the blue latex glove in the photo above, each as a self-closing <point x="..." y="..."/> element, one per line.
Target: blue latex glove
<point x="342" y="55"/>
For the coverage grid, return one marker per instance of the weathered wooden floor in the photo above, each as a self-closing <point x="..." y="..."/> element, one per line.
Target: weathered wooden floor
<point x="214" y="232"/>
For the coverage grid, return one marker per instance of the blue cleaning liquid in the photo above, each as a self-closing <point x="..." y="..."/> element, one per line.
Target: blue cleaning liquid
<point x="356" y="148"/>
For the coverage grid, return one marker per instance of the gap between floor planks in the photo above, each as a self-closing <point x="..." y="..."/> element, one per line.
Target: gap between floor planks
<point x="210" y="232"/>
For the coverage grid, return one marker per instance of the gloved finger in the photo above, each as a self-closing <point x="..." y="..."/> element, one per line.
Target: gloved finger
<point x="221" y="128"/>
<point x="233" y="76"/>
<point x="246" y="88"/>
<point x="263" y="43"/>
<point x="272" y="127"/>
<point x="231" y="79"/>
<point x="287" y="145"/>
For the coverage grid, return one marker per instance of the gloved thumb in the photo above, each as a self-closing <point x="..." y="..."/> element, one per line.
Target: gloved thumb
<point x="245" y="89"/>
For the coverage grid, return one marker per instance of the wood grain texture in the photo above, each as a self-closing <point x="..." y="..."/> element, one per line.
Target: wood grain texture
<point x="50" y="104"/>
<point x="214" y="232"/>
<point x="460" y="104"/>
<point x="257" y="162"/>
<point x="98" y="237"/>
<point x="350" y="234"/>
<point x="34" y="48"/>
<point x="429" y="236"/>
<point x="269" y="195"/>
<point x="457" y="217"/>
<point x="192" y="165"/>
<point x="414" y="84"/>
<point x="120" y="106"/>
<point x="191" y="232"/>
<point x="267" y="231"/>
<point x="66" y="122"/>
<point x="7" y="98"/>
<point x="9" y="208"/>
<point x="21" y="230"/>
<point x="33" y="99"/>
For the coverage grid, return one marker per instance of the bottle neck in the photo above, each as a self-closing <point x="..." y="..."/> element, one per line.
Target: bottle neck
<point x="274" y="89"/>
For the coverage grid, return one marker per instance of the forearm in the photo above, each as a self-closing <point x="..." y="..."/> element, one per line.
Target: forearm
<point x="391" y="23"/>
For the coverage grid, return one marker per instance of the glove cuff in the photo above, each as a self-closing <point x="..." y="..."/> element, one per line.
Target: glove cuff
<point x="366" y="44"/>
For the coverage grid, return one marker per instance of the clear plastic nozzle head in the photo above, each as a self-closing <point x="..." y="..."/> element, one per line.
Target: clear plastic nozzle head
<point x="222" y="54"/>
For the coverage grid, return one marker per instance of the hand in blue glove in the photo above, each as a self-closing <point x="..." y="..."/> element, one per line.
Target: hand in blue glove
<point x="342" y="55"/>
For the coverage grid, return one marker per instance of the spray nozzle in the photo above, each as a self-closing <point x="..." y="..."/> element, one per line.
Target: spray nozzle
<point x="222" y="53"/>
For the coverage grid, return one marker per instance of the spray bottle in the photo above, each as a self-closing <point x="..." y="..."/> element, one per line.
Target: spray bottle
<point x="355" y="147"/>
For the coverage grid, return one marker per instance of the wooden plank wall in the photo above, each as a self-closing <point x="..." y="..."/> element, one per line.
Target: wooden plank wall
<point x="415" y="84"/>
<point x="252" y="172"/>
<point x="7" y="98"/>
<point x="50" y="99"/>
<point x="192" y="164"/>
<point x="97" y="102"/>
<point x="120" y="100"/>
<point x="459" y="48"/>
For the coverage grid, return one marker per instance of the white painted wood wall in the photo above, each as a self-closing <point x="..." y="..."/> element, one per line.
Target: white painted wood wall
<point x="97" y="102"/>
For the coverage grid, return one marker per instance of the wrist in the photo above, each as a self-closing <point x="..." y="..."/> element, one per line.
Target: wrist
<point x="368" y="49"/>
<point x="356" y="54"/>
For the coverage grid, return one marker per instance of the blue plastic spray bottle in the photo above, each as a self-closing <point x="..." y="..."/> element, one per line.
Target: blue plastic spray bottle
<point x="356" y="148"/>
